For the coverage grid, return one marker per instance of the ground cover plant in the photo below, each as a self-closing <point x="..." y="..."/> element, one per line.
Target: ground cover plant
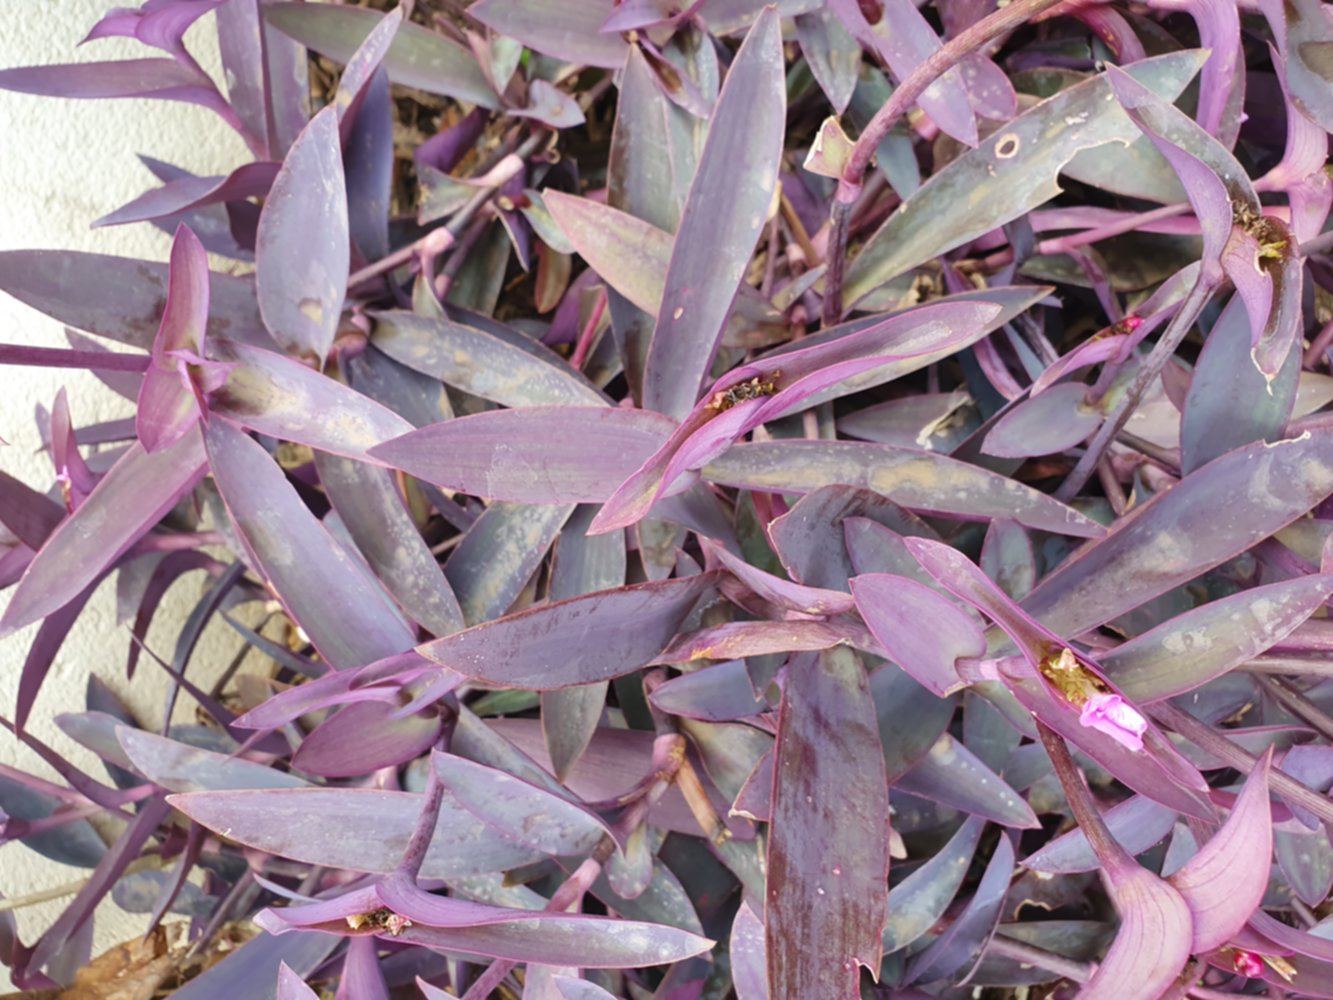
<point x="817" y="501"/>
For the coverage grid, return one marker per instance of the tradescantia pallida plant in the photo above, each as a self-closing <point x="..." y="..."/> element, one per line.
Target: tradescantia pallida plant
<point x="816" y="501"/>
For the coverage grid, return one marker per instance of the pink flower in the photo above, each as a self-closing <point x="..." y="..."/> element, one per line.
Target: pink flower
<point x="1112" y="715"/>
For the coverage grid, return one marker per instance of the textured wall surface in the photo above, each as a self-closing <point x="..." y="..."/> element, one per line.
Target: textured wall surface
<point x="65" y="163"/>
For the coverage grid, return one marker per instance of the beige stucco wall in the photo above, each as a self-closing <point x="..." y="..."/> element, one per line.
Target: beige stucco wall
<point x="63" y="164"/>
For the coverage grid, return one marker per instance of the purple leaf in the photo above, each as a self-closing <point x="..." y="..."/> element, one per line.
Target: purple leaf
<point x="895" y="608"/>
<point x="953" y="776"/>
<point x="966" y="938"/>
<point x="358" y="829"/>
<point x="570" y="33"/>
<point x="574" y="641"/>
<point x="131" y="498"/>
<point x="177" y="384"/>
<point x="179" y="767"/>
<point x="1152" y="944"/>
<point x="918" y="901"/>
<point x="904" y="39"/>
<point x="252" y="969"/>
<point x="279" y="396"/>
<point x="915" y="479"/>
<point x="828" y="847"/>
<point x="366" y="736"/>
<point x="1305" y="39"/>
<point x="301" y="256"/>
<point x="1055" y="421"/>
<point x="832" y="53"/>
<point x="719" y="693"/>
<point x="1206" y="642"/>
<point x="494" y="363"/>
<point x="1211" y="516"/>
<point x="1012" y="172"/>
<point x="368" y="161"/>
<point x="161" y="25"/>
<point x="539" y="454"/>
<point x="580" y="989"/>
<point x="499" y="554"/>
<point x="374" y="514"/>
<point x="1225" y="882"/>
<point x="735" y="640"/>
<point x="120" y="298"/>
<point x="418" y="57"/>
<point x="362" y="65"/>
<point x="1229" y="403"/>
<point x="522" y="812"/>
<point x="165" y="79"/>
<point x="362" y="978"/>
<point x="749" y="961"/>
<point x="291" y="986"/>
<point x="327" y="593"/>
<point x="1136" y="824"/>
<point x="251" y="180"/>
<point x="630" y="255"/>
<point x="725" y="211"/>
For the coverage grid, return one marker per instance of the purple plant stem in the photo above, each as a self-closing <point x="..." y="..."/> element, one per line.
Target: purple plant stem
<point x="1108" y="849"/>
<point x="63" y="357"/>
<point x="940" y="61"/>
<point x="1315" y="352"/>
<point x="1322" y="243"/>
<point x="1174" y="334"/>
<point x="1269" y="664"/>
<point x="1065" y="244"/>
<point x="1213" y="742"/>
<point x="584" y="344"/>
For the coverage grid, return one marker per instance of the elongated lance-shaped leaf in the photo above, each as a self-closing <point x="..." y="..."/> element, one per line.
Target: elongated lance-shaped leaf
<point x="917" y="480"/>
<point x="168" y="406"/>
<point x="1206" y="642"/>
<point x="364" y="62"/>
<point x="522" y="812"/>
<point x="583" y="564"/>
<point x="165" y="79"/>
<point x="366" y="736"/>
<point x="374" y="513"/>
<point x="1137" y="824"/>
<point x="291" y="986"/>
<point x="505" y="367"/>
<point x="301" y="253"/>
<point x="121" y="298"/>
<point x="277" y="395"/>
<point x="1225" y="882"/>
<point x="573" y="34"/>
<point x="1305" y="39"/>
<point x="1009" y="174"/>
<point x="895" y="609"/>
<point x="828" y="850"/>
<point x="498" y="555"/>
<point x="455" y="924"/>
<point x="724" y="215"/>
<point x="341" y="609"/>
<point x="130" y="499"/>
<point x="749" y="963"/>
<point x="1209" y="517"/>
<point x="953" y="776"/>
<point x="954" y="951"/>
<point x="537" y="454"/>
<point x="903" y="38"/>
<point x="179" y="767"/>
<point x="1152" y="944"/>
<point x="711" y="426"/>
<point x="629" y="254"/>
<point x="186" y="193"/>
<point x="417" y="58"/>
<point x="576" y="641"/>
<point x="832" y="53"/>
<point x="251" y="970"/>
<point x="579" y="989"/>
<point x="1229" y="403"/>
<point x="358" y="829"/>
<point x="918" y="901"/>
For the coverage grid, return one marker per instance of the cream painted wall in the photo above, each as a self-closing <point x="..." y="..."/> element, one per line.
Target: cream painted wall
<point x="63" y="164"/>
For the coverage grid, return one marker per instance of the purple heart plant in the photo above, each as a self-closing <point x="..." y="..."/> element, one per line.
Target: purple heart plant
<point x="815" y="501"/>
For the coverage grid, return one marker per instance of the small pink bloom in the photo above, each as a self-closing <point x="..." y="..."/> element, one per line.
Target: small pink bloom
<point x="1248" y="964"/>
<point x="1112" y="715"/>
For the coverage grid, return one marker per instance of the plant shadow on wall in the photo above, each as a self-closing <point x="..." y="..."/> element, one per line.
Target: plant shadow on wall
<point x="808" y="501"/>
